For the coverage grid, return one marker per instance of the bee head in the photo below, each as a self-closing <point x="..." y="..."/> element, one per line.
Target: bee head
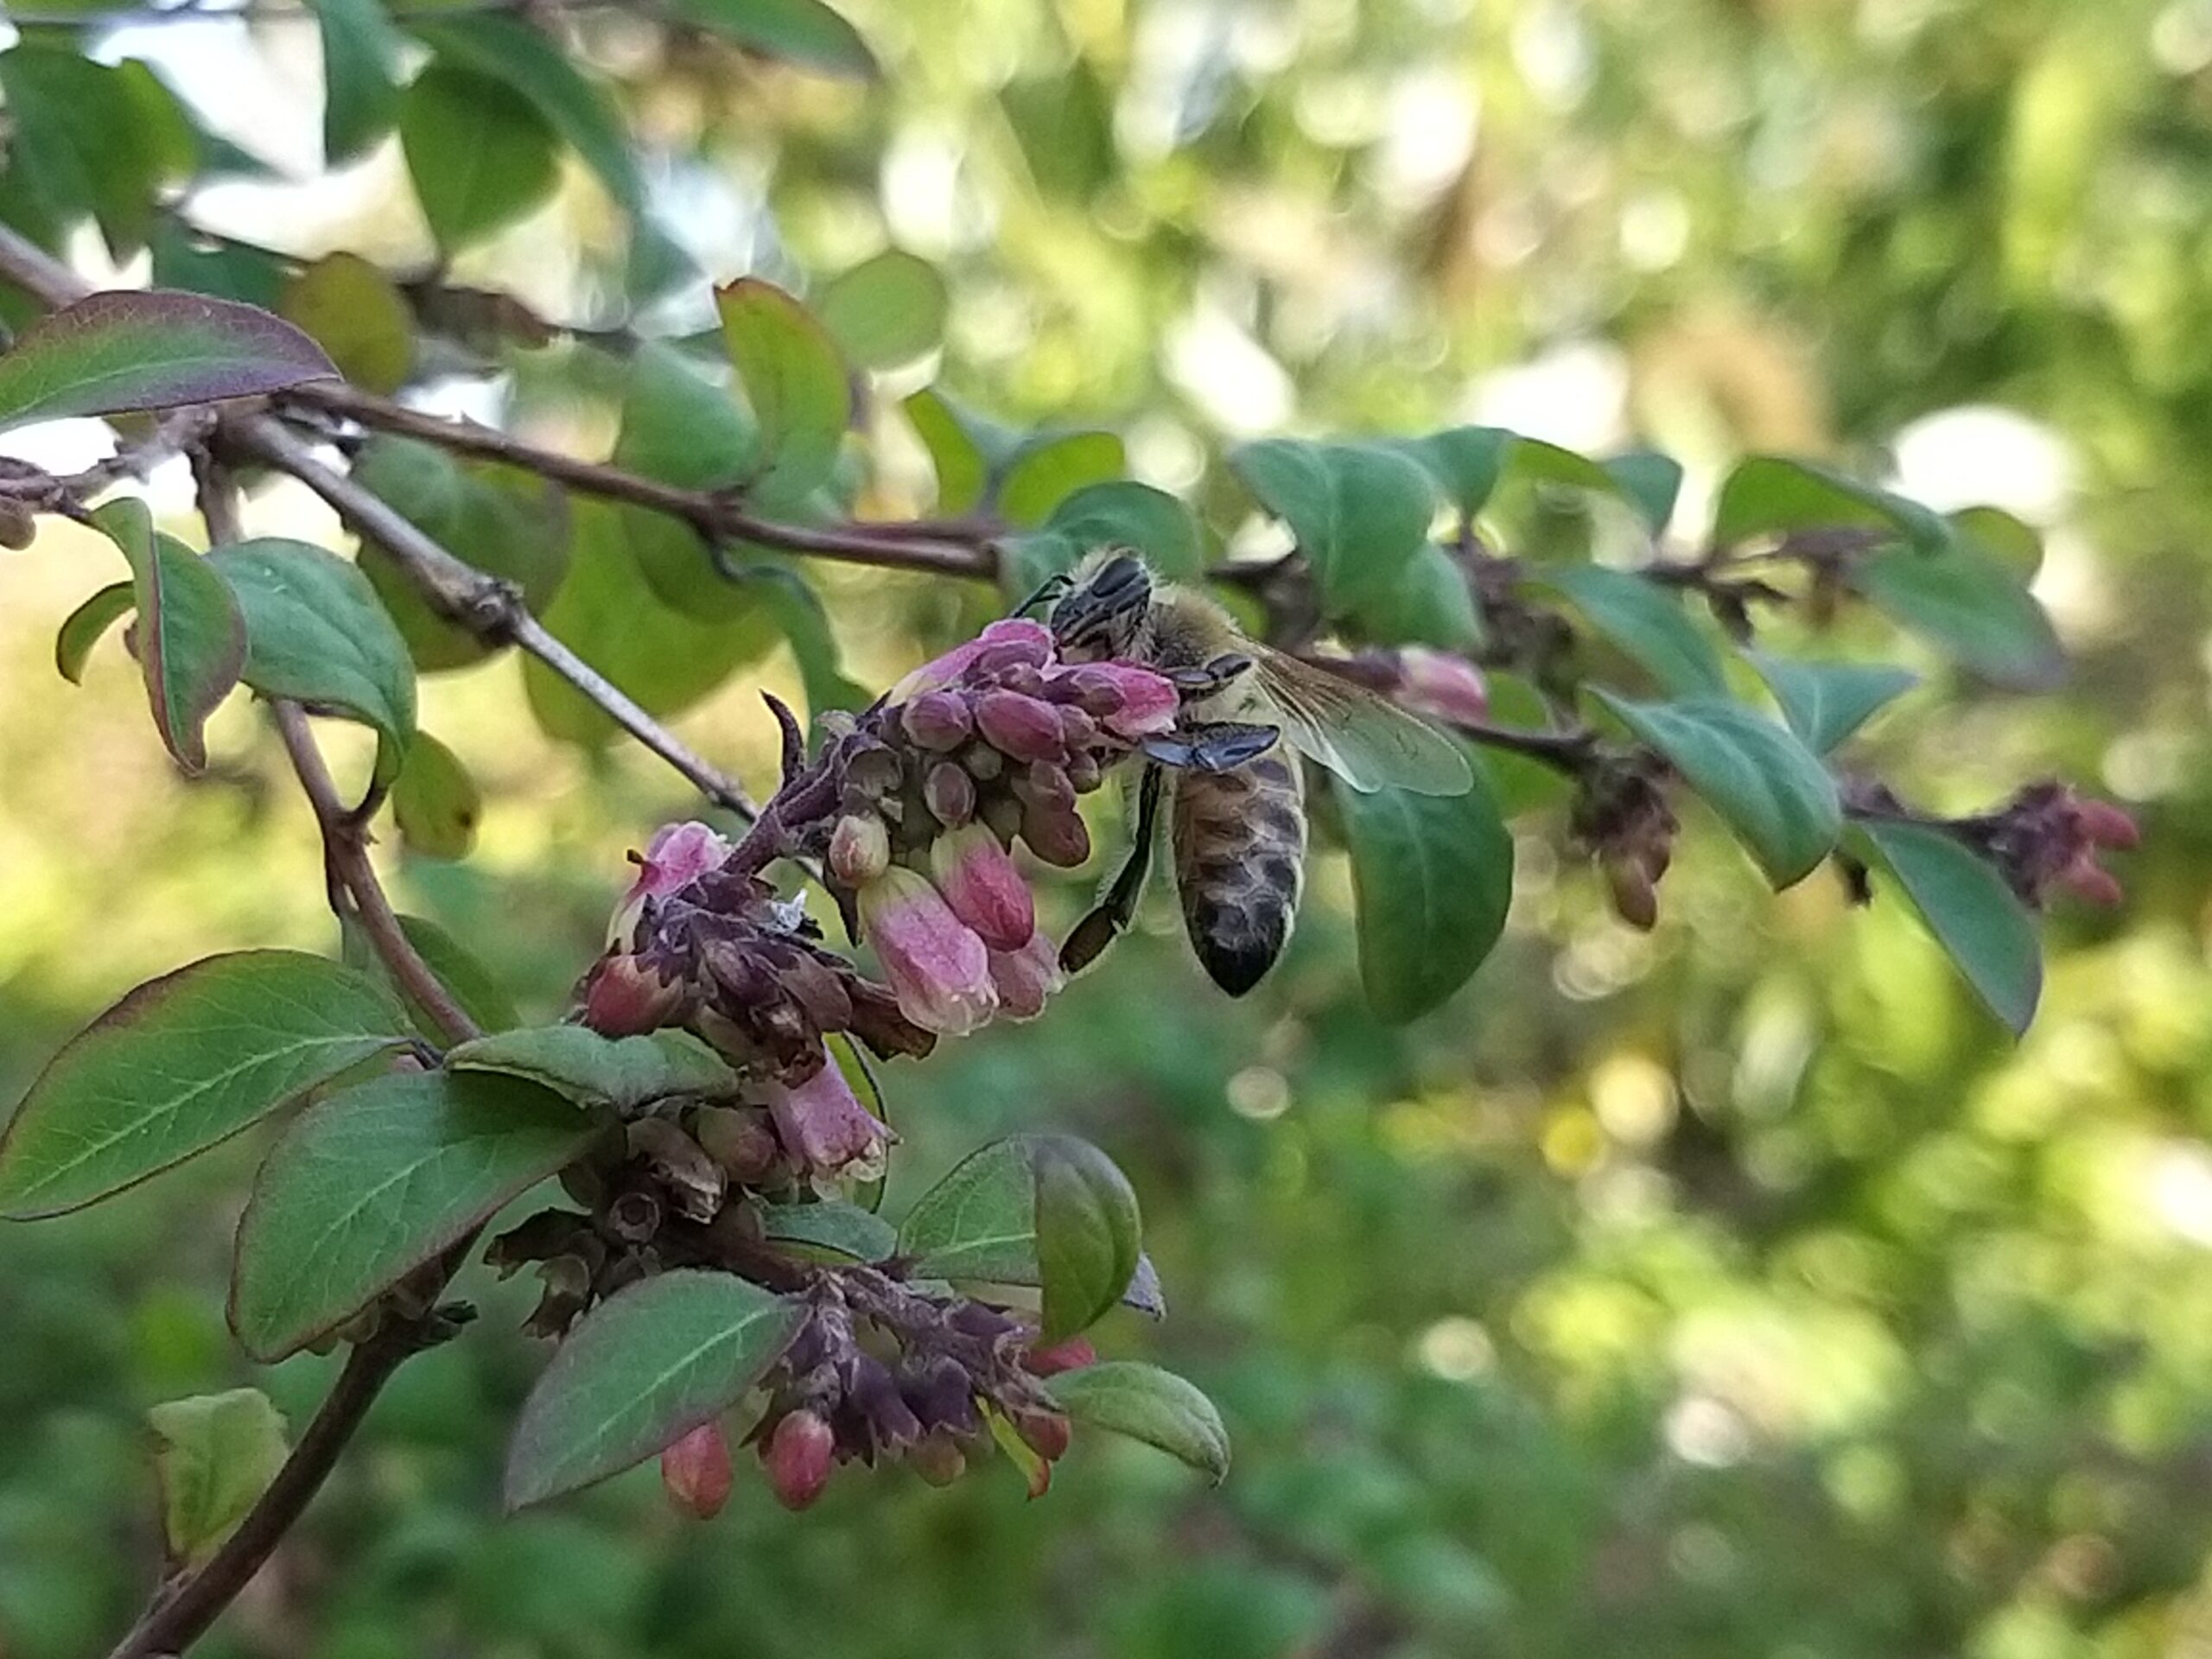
<point x="1098" y="613"/>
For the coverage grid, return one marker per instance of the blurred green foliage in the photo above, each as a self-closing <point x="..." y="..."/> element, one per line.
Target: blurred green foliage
<point x="1737" y="1291"/>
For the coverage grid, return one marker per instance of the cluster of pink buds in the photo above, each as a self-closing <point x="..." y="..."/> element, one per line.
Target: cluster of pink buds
<point x="2048" y="838"/>
<point x="986" y="748"/>
<point x="1621" y="816"/>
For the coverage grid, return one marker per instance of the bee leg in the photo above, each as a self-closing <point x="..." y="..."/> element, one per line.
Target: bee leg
<point x="1210" y="679"/>
<point x="1096" y="931"/>
<point x="1212" y="745"/>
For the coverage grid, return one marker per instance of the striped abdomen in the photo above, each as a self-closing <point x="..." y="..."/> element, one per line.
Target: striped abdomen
<point x="1239" y="840"/>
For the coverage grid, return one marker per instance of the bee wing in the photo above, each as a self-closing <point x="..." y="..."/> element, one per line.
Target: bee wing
<point x="1368" y="742"/>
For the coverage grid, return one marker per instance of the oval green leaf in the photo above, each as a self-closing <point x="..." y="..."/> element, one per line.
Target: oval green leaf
<point x="360" y="68"/>
<point x="1644" y="622"/>
<point x="1977" y="918"/>
<point x="1968" y="604"/>
<point x="803" y="32"/>
<point x="646" y="1366"/>
<point x="620" y="1074"/>
<point x="886" y="310"/>
<point x="1765" y="784"/>
<point x="358" y="314"/>
<point x="316" y="633"/>
<point x="842" y="1230"/>
<point x="1826" y="703"/>
<point x="182" y="1063"/>
<point x="435" y="802"/>
<point x="373" y="1181"/>
<point x="1432" y="878"/>
<point x="190" y="637"/>
<point x="480" y="153"/>
<point x="1360" y="512"/>
<point x="1772" y="495"/>
<point x="796" y="382"/>
<point x="109" y="354"/>
<point x="1147" y="1404"/>
<point x="1047" y="470"/>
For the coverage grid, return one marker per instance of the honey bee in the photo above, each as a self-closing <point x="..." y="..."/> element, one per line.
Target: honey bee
<point x="1234" y="796"/>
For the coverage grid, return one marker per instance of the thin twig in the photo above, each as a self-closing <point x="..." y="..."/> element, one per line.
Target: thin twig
<point x="717" y="515"/>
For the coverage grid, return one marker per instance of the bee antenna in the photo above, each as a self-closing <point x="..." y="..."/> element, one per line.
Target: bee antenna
<point x="1051" y="589"/>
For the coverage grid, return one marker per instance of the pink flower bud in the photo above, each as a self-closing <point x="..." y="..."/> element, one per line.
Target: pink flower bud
<point x="623" y="997"/>
<point x="1023" y="728"/>
<point x="823" y="1126"/>
<point x="695" y="1471"/>
<point x="983" y="887"/>
<point x="938" y="967"/>
<point x="1057" y="834"/>
<point x="1147" y="702"/>
<point x="937" y="720"/>
<point x="1441" y="684"/>
<point x="1077" y="730"/>
<point x="1070" y="1356"/>
<point x="2105" y="824"/>
<point x="1025" y="978"/>
<point x="737" y="1138"/>
<point x="860" y="849"/>
<point x="1043" y="784"/>
<point x="950" y="793"/>
<point x="799" y="1456"/>
<point x="2089" y="881"/>
<point x="678" y="854"/>
<point x="938" y="1460"/>
<point x="1032" y="640"/>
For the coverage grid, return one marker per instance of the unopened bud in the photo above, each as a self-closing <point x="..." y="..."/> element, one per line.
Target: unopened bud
<point x="695" y="1471"/>
<point x="18" y="528"/>
<point x="1021" y="727"/>
<point x="860" y="849"/>
<point x="623" y="997"/>
<point x="983" y="887"/>
<point x="1634" y="898"/>
<point x="937" y="720"/>
<point x="938" y="1460"/>
<point x="2105" y="824"/>
<point x="1044" y="1432"/>
<point x="1070" y="1356"/>
<point x="1057" y="834"/>
<point x="799" y="1456"/>
<point x="738" y="1139"/>
<point x="950" y="793"/>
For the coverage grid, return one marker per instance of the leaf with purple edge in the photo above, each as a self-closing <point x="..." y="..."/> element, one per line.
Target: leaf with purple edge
<point x="84" y="627"/>
<point x="112" y="352"/>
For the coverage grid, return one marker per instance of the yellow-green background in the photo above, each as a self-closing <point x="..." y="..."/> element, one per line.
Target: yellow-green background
<point x="1738" y="1291"/>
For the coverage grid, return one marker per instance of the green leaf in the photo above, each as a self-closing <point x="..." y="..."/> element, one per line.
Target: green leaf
<point x="360" y="68"/>
<point x="1041" y="1209"/>
<point x="220" y="269"/>
<point x="316" y="633"/>
<point x="1977" y="918"/>
<point x="1147" y="1404"/>
<point x="1768" y="786"/>
<point x="1046" y="471"/>
<point x="1651" y="482"/>
<point x="93" y="138"/>
<point x="482" y="998"/>
<point x="357" y="313"/>
<point x="680" y="429"/>
<point x="1360" y="512"/>
<point x="1969" y="604"/>
<point x="804" y="32"/>
<point x="83" y="627"/>
<point x="527" y="61"/>
<point x="795" y="381"/>
<point x="214" y="1454"/>
<point x="610" y="618"/>
<point x="375" y="1180"/>
<point x="511" y="523"/>
<point x="435" y="802"/>
<point x="1826" y="703"/>
<point x="1087" y="1233"/>
<point x="647" y="1366"/>
<point x="1431" y="876"/>
<point x="1465" y="461"/>
<point x="833" y="1226"/>
<point x="2011" y="541"/>
<point x="886" y="310"/>
<point x="1643" y="621"/>
<point x="1771" y="495"/>
<point x="183" y="1063"/>
<point x="110" y="353"/>
<point x="967" y="450"/>
<point x="1122" y="511"/>
<point x="1431" y="605"/>
<point x="619" y="1074"/>
<point x="480" y="153"/>
<point x="190" y="637"/>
